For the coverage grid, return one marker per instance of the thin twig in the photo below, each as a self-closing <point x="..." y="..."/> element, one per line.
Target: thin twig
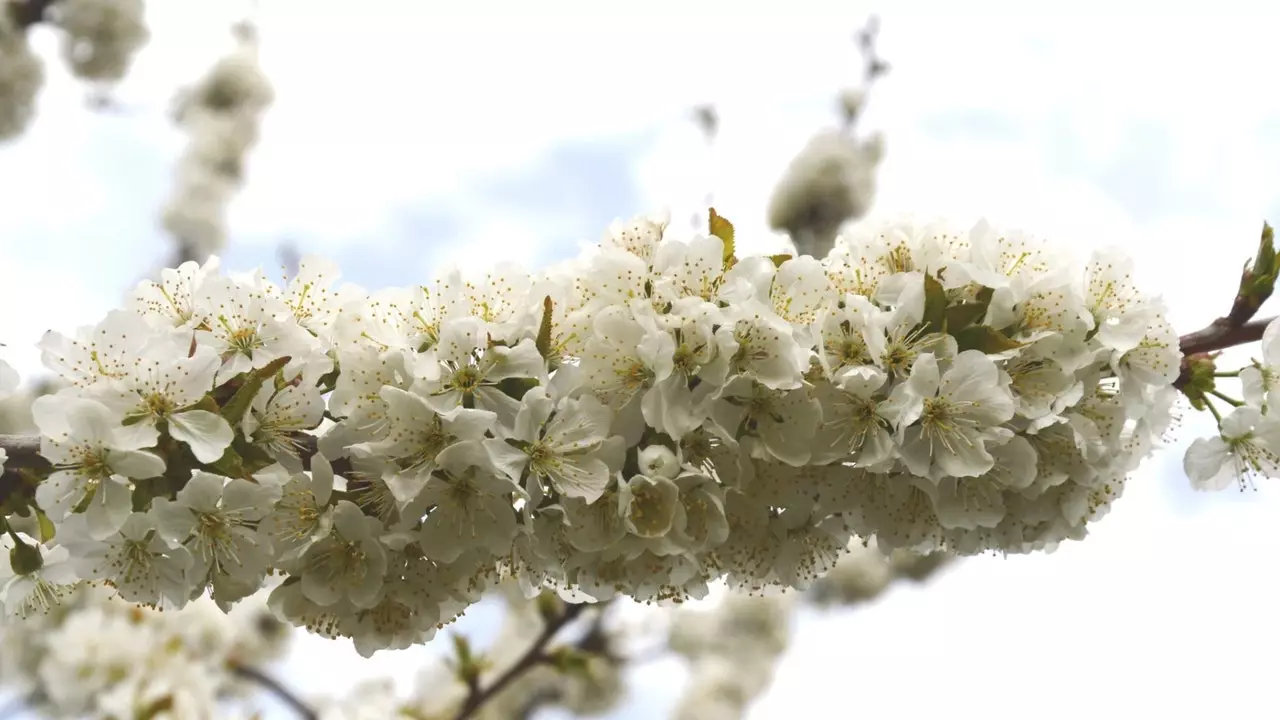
<point x="275" y="688"/>
<point x="530" y="659"/>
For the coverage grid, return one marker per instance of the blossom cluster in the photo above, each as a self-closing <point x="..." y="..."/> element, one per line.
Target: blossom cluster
<point x="642" y="420"/>
<point x="97" y="656"/>
<point x="221" y="115"/>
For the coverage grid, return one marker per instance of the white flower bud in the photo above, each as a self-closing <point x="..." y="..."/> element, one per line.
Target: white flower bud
<point x="101" y="36"/>
<point x="658" y="461"/>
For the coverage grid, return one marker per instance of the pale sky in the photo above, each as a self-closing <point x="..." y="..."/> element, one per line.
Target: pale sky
<point x="406" y="136"/>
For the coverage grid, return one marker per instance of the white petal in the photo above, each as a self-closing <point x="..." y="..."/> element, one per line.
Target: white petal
<point x="207" y="434"/>
<point x="135" y="464"/>
<point x="1205" y="464"/>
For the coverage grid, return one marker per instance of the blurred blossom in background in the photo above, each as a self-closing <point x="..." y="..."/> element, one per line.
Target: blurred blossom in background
<point x="403" y="137"/>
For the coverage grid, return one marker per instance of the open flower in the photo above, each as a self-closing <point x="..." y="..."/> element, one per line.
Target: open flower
<point x="945" y="419"/>
<point x="93" y="457"/>
<point x="559" y="442"/>
<point x="1247" y="447"/>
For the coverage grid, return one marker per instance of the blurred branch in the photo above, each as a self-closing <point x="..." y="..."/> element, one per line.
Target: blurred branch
<point x="272" y="686"/>
<point x="535" y="655"/>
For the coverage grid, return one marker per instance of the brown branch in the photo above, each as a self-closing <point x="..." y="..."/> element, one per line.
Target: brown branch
<point x="275" y="688"/>
<point x="1221" y="335"/>
<point x="531" y="658"/>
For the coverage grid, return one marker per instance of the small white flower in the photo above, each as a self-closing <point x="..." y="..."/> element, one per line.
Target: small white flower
<point x="347" y="564"/>
<point x="172" y="301"/>
<point x="416" y="434"/>
<point x="137" y="562"/>
<point x="777" y="424"/>
<point x="466" y="370"/>
<point x="648" y="505"/>
<point x="37" y="590"/>
<point x="944" y="419"/>
<point x="854" y="425"/>
<point x="105" y="351"/>
<point x="1261" y="380"/>
<point x="212" y="516"/>
<point x="93" y="457"/>
<point x="163" y="384"/>
<point x="559" y="442"/>
<point x="471" y="505"/>
<point x="1247" y="447"/>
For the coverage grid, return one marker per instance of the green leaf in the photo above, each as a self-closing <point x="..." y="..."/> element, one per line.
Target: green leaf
<point x="239" y="403"/>
<point x="516" y="387"/>
<point x="959" y="317"/>
<point x="231" y="465"/>
<point x="543" y="342"/>
<point x="935" y="304"/>
<point x="779" y="259"/>
<point x="723" y="229"/>
<point x="253" y="457"/>
<point x="985" y="338"/>
<point x="1265" y="267"/>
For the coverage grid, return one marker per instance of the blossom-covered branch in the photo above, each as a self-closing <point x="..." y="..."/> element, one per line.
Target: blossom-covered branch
<point x="644" y="420"/>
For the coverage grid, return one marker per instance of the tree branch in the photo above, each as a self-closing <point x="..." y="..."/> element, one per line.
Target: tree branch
<point x="275" y="688"/>
<point x="530" y="659"/>
<point x="1220" y="335"/>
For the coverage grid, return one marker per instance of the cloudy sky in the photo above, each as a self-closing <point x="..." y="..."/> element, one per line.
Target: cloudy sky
<point x="406" y="136"/>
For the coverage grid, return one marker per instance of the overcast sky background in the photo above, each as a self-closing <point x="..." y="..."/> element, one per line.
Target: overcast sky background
<point x="406" y="136"/>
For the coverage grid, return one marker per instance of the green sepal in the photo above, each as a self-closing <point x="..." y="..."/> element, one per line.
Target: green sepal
<point x="47" y="528"/>
<point x="25" y="559"/>
<point x="1199" y="370"/>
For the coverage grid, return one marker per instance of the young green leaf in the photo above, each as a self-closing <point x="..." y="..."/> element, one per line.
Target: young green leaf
<point x="985" y="338"/>
<point x="723" y="229"/>
<point x="935" y="304"/>
<point x="239" y="403"/>
<point x="544" y="330"/>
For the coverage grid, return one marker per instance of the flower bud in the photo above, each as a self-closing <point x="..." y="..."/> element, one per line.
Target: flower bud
<point x="659" y="461"/>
